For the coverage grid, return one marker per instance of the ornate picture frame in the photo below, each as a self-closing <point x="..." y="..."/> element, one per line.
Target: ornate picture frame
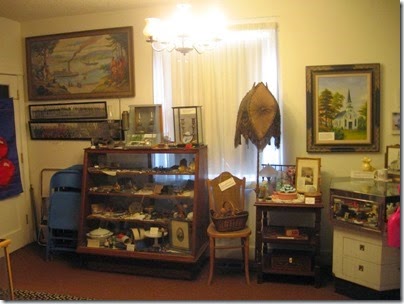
<point x="81" y="65"/>
<point x="392" y="160"/>
<point x="307" y="174"/>
<point x="67" y="111"/>
<point x="343" y="108"/>
<point x="180" y="236"/>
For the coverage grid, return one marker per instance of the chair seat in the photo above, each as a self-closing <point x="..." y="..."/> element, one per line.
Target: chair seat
<point x="212" y="232"/>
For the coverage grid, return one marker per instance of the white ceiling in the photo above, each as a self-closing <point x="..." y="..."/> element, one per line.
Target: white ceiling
<point x="27" y="10"/>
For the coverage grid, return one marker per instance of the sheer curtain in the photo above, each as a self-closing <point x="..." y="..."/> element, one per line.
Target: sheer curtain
<point x="218" y="80"/>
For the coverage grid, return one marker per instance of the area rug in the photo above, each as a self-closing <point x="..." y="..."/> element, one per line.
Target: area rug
<point x="28" y="295"/>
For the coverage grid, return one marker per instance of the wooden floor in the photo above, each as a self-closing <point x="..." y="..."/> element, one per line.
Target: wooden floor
<point x="63" y="275"/>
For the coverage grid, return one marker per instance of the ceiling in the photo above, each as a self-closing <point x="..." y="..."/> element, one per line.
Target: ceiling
<point x="28" y="10"/>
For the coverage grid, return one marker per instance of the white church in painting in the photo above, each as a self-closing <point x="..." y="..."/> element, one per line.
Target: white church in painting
<point x="347" y="119"/>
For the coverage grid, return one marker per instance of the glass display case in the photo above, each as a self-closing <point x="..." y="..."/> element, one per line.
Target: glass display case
<point x="145" y="126"/>
<point x="188" y="125"/>
<point x="363" y="204"/>
<point x="144" y="204"/>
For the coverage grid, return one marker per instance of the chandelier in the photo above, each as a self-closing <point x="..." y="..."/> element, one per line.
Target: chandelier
<point x="184" y="32"/>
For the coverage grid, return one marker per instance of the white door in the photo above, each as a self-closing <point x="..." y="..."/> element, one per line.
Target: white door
<point x="15" y="213"/>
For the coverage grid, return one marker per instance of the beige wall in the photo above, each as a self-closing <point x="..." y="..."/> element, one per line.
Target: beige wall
<point x="311" y="32"/>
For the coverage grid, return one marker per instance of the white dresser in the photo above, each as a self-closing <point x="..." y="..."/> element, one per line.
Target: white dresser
<point x="365" y="259"/>
<point x="364" y="266"/>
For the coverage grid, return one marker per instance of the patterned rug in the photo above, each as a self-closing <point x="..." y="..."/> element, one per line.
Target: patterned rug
<point x="28" y="295"/>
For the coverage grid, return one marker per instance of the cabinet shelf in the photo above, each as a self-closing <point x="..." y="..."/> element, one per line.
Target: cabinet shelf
<point x="276" y="234"/>
<point x="122" y="185"/>
<point x="132" y="172"/>
<point x="136" y="195"/>
<point x="145" y="255"/>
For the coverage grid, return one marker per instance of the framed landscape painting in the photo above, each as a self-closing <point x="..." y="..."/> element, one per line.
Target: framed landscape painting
<point x="343" y="108"/>
<point x="81" y="65"/>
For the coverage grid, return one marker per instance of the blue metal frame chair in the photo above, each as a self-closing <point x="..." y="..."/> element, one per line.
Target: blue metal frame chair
<point x="64" y="209"/>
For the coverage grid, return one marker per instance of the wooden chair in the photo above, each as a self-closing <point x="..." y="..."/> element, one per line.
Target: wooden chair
<point x="4" y="244"/>
<point x="234" y="191"/>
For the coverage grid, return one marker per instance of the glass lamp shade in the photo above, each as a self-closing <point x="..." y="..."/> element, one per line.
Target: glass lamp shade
<point x="153" y="26"/>
<point x="268" y="171"/>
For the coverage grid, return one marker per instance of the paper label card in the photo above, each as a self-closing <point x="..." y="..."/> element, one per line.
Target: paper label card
<point x="310" y="200"/>
<point x="227" y="184"/>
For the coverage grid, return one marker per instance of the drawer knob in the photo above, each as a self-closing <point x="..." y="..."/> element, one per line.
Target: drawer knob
<point x="361" y="268"/>
<point x="362" y="247"/>
<point x="290" y="260"/>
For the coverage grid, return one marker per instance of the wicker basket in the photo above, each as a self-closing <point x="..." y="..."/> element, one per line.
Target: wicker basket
<point x="229" y="223"/>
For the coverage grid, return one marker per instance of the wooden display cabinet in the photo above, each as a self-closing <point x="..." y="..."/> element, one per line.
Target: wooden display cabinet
<point x="145" y="190"/>
<point x="281" y="250"/>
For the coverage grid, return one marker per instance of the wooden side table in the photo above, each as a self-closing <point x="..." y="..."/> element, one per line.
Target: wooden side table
<point x="303" y="259"/>
<point x="4" y="244"/>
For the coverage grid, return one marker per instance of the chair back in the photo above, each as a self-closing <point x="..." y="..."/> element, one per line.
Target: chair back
<point x="67" y="179"/>
<point x="226" y="188"/>
<point x="65" y="199"/>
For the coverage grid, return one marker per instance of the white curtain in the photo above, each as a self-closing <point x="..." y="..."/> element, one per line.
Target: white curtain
<point x="218" y="80"/>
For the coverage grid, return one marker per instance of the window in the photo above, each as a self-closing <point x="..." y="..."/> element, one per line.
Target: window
<point x="218" y="80"/>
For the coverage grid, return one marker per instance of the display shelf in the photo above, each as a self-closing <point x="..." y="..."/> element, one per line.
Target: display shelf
<point x="125" y="189"/>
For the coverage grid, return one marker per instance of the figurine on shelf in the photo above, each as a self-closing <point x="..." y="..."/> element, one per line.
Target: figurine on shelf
<point x="366" y="166"/>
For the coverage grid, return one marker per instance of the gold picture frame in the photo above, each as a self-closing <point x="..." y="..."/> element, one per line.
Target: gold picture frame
<point x="81" y="65"/>
<point x="308" y="174"/>
<point x="180" y="235"/>
<point x="343" y="108"/>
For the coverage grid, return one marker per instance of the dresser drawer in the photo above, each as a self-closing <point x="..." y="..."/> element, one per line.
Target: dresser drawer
<point x="371" y="275"/>
<point x="362" y="250"/>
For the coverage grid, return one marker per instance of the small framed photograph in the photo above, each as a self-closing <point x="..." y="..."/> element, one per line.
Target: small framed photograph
<point x="392" y="160"/>
<point x="395" y="122"/>
<point x="308" y="174"/>
<point x="180" y="235"/>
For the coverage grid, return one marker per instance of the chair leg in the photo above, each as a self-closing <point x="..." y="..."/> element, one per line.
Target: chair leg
<point x="10" y="277"/>
<point x="246" y="260"/>
<point x="211" y="258"/>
